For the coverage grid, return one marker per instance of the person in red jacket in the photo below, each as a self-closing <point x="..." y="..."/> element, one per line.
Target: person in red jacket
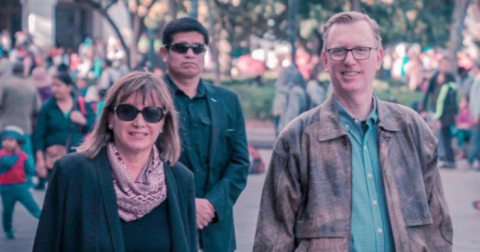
<point x="14" y="170"/>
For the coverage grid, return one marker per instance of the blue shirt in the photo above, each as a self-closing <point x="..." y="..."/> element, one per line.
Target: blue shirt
<point x="370" y="224"/>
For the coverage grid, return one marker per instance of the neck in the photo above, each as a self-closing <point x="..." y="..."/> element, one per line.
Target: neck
<point x="134" y="161"/>
<point x="188" y="85"/>
<point x="359" y="106"/>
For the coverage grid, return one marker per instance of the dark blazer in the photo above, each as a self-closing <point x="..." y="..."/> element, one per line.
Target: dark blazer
<point x="227" y="166"/>
<point x="80" y="210"/>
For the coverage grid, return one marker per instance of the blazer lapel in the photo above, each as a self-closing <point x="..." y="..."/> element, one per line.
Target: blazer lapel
<point x="109" y="200"/>
<point x="176" y="226"/>
<point x="215" y="113"/>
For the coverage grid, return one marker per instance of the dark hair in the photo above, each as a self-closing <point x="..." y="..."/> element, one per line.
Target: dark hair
<point x="186" y="24"/>
<point x="62" y="68"/>
<point x="462" y="70"/>
<point x="65" y="78"/>
<point x="108" y="62"/>
<point x="449" y="77"/>
<point x="18" y="68"/>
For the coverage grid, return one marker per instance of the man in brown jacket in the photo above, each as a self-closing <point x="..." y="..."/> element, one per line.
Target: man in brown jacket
<point x="356" y="173"/>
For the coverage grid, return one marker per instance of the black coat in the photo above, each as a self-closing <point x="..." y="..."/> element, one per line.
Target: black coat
<point x="80" y="210"/>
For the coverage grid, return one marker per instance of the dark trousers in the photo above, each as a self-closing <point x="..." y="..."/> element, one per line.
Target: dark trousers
<point x="475" y="145"/>
<point x="446" y="142"/>
<point x="10" y="196"/>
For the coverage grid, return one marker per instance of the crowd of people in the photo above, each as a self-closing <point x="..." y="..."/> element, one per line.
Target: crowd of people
<point x="135" y="161"/>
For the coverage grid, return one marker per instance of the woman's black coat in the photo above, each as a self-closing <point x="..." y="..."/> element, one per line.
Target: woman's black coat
<point x="80" y="210"/>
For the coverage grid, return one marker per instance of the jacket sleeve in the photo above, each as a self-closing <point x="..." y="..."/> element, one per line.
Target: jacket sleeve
<point x="281" y="199"/>
<point x="441" y="230"/>
<point x="40" y="130"/>
<point x="50" y="228"/>
<point x="226" y="191"/>
<point x="90" y="119"/>
<point x="192" y="219"/>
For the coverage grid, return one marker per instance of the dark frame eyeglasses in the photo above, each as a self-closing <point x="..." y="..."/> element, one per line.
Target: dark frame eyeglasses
<point x="359" y="53"/>
<point x="128" y="112"/>
<point x="182" y="48"/>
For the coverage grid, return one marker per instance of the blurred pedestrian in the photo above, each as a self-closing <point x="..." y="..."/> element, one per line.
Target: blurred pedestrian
<point x="463" y="128"/>
<point x="42" y="82"/>
<point x="474" y="153"/>
<point x="124" y="189"/>
<point x="14" y="170"/>
<point x="291" y="97"/>
<point x="212" y="132"/>
<point x="464" y="81"/>
<point x="60" y="127"/>
<point x="19" y="103"/>
<point x="355" y="173"/>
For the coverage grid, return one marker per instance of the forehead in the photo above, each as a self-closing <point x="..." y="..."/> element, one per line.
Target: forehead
<point x="145" y="99"/>
<point x="188" y="37"/>
<point x="350" y="35"/>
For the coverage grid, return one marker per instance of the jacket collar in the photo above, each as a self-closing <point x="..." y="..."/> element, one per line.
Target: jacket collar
<point x="330" y="127"/>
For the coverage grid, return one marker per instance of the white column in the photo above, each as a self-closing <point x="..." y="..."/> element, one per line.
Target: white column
<point x="41" y="22"/>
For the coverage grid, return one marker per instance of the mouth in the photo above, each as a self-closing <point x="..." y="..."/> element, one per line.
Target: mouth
<point x="350" y="73"/>
<point x="137" y="134"/>
<point x="188" y="64"/>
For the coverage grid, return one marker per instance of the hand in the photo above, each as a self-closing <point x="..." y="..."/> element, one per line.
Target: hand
<point x="424" y="115"/>
<point x="475" y="121"/>
<point x="41" y="169"/>
<point x="204" y="211"/>
<point x="437" y="125"/>
<point x="77" y="117"/>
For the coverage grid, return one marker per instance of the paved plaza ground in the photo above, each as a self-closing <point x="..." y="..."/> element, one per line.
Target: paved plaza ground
<point x="461" y="187"/>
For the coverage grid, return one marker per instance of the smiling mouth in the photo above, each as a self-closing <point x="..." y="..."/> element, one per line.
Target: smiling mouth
<point x="137" y="134"/>
<point x="350" y="73"/>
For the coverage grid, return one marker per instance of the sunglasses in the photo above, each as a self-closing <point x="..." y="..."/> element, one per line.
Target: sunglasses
<point x="183" y="48"/>
<point x="128" y="112"/>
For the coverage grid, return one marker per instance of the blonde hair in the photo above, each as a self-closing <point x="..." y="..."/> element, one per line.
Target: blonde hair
<point x="145" y="86"/>
<point x="349" y="17"/>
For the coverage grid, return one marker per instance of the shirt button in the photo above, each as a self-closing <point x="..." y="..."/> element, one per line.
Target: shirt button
<point x="357" y="121"/>
<point x="346" y="126"/>
<point x="379" y="230"/>
<point x="375" y="202"/>
<point x="369" y="175"/>
<point x="365" y="147"/>
<point x="195" y="125"/>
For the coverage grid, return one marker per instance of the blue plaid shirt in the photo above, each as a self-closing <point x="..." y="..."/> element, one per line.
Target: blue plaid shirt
<point x="371" y="230"/>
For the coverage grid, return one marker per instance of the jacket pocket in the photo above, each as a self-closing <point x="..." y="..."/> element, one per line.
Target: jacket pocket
<point x="312" y="236"/>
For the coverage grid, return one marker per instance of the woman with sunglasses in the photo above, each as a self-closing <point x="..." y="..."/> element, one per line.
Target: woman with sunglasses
<point x="124" y="189"/>
<point x="61" y="125"/>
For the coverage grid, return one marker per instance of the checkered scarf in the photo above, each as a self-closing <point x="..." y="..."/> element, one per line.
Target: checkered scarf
<point x="136" y="199"/>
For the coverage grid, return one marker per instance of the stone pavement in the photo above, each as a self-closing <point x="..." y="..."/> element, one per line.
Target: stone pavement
<point x="461" y="187"/>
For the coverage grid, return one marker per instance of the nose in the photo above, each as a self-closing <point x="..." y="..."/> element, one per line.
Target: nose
<point x="139" y="121"/>
<point x="349" y="59"/>
<point x="189" y="53"/>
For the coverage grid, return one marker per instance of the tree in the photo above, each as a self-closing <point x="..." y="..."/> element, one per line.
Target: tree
<point x="142" y="12"/>
<point x="456" y="29"/>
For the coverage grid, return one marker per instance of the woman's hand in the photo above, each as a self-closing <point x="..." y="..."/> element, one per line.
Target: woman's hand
<point x="41" y="168"/>
<point x="77" y="117"/>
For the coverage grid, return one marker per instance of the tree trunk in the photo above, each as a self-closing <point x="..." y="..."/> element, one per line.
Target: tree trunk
<point x="356" y="5"/>
<point x="136" y="25"/>
<point x="214" y="44"/>
<point x="456" y="30"/>
<point x="172" y="8"/>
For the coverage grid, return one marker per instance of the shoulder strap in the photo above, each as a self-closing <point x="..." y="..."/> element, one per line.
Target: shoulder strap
<point x="81" y="105"/>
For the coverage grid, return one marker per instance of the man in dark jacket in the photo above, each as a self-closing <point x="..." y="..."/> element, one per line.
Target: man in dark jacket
<point x="212" y="133"/>
<point x="355" y="173"/>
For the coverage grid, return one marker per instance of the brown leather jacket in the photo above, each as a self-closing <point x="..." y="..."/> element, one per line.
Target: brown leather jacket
<point x="306" y="200"/>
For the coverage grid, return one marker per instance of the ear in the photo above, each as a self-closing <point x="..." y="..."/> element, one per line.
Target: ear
<point x="325" y="61"/>
<point x="380" y="54"/>
<point x="164" y="53"/>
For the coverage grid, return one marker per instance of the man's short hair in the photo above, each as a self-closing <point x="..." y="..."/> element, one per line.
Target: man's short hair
<point x="349" y="17"/>
<point x="186" y="24"/>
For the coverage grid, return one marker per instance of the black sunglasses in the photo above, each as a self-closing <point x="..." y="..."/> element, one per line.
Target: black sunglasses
<point x="183" y="48"/>
<point x="128" y="112"/>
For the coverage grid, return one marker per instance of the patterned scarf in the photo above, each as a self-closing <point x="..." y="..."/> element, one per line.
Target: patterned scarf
<point x="136" y="199"/>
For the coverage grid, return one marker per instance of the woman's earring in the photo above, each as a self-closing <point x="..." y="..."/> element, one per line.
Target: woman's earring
<point x="110" y="126"/>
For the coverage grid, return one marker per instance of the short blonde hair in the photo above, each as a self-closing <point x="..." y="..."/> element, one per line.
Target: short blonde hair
<point x="146" y="86"/>
<point x="349" y="17"/>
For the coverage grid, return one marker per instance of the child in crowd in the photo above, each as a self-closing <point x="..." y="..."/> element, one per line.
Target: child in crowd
<point x="14" y="170"/>
<point x="464" y="127"/>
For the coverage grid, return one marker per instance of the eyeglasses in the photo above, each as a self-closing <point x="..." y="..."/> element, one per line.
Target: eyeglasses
<point x="183" y="48"/>
<point x="128" y="112"/>
<point x="359" y="53"/>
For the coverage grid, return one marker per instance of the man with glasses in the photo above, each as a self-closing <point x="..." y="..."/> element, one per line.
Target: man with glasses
<point x="356" y="173"/>
<point x="212" y="132"/>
